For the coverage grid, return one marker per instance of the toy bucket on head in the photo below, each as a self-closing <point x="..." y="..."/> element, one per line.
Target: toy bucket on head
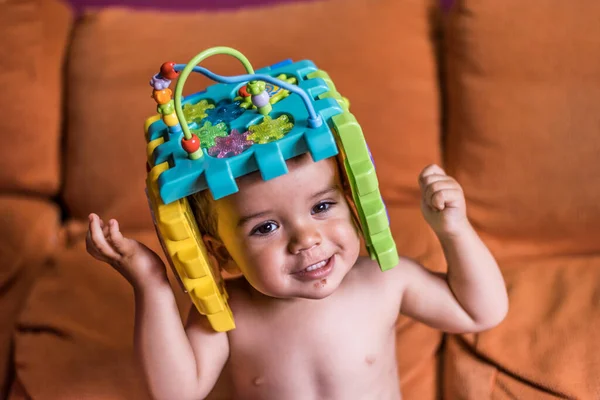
<point x="242" y="124"/>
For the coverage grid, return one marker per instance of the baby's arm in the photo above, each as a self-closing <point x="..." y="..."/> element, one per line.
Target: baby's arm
<point x="471" y="297"/>
<point x="177" y="364"/>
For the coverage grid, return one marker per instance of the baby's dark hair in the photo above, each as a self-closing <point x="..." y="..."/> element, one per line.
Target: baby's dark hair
<point x="202" y="205"/>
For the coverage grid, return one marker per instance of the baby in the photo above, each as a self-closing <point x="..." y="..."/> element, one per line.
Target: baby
<point x="314" y="319"/>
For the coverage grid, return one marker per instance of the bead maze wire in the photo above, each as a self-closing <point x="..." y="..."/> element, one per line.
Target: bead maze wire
<point x="256" y="86"/>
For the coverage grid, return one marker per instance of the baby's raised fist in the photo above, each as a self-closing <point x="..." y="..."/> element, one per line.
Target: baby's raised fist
<point x="442" y="200"/>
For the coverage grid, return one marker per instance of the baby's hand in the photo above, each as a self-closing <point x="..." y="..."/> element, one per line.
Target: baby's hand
<point x="442" y="202"/>
<point x="136" y="262"/>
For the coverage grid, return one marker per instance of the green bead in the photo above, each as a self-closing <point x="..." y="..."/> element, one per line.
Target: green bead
<point x="256" y="87"/>
<point x="166" y="109"/>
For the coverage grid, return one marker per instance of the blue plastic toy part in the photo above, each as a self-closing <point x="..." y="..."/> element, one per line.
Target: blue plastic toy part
<point x="186" y="176"/>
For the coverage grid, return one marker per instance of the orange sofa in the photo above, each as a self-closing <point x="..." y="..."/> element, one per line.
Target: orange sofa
<point x="504" y="94"/>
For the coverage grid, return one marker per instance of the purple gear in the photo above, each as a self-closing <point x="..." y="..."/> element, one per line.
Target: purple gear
<point x="232" y="145"/>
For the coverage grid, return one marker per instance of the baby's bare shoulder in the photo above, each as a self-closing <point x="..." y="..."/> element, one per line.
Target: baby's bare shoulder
<point x="365" y="268"/>
<point x="367" y="271"/>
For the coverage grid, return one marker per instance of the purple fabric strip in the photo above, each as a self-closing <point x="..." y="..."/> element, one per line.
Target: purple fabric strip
<point x="446" y="4"/>
<point x="193" y="4"/>
<point x="175" y="5"/>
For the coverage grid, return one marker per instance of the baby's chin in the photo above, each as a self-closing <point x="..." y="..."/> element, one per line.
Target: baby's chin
<point x="317" y="290"/>
<point x="319" y="293"/>
<point x="323" y="288"/>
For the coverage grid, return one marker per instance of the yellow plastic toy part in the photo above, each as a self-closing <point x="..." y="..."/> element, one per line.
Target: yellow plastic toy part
<point x="183" y="246"/>
<point x="150" y="121"/>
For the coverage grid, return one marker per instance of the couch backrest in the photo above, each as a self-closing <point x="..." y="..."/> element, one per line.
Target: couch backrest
<point x="523" y="91"/>
<point x="379" y="54"/>
<point x="34" y="36"/>
<point x="34" y="39"/>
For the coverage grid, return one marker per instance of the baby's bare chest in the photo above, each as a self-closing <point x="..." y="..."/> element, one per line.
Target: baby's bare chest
<point x="335" y="350"/>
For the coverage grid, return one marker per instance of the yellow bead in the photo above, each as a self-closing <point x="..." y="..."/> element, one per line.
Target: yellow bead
<point x="171" y="119"/>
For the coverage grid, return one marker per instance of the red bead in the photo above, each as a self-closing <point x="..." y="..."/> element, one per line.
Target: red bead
<point x="244" y="91"/>
<point x="167" y="70"/>
<point x="191" y="145"/>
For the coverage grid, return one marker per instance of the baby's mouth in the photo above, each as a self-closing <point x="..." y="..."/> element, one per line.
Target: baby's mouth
<point x="318" y="265"/>
<point x="317" y="270"/>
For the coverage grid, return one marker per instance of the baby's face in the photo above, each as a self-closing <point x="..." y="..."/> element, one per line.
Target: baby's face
<point x="292" y="236"/>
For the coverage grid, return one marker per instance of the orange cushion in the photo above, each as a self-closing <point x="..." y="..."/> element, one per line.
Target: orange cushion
<point x="417" y="345"/>
<point x="28" y="235"/>
<point x="523" y="125"/>
<point x="75" y="333"/>
<point x="379" y="56"/>
<point x="548" y="343"/>
<point x="523" y="139"/>
<point x="31" y="64"/>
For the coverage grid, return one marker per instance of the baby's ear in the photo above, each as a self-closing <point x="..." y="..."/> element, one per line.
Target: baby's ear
<point x="215" y="248"/>
<point x="219" y="256"/>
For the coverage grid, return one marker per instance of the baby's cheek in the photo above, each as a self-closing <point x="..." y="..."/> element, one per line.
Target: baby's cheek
<point x="261" y="267"/>
<point x="347" y="215"/>
<point x="345" y="231"/>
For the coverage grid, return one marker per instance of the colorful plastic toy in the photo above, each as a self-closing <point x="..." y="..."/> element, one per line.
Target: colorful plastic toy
<point x="242" y="124"/>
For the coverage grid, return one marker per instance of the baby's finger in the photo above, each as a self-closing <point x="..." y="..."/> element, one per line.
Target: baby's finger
<point x="92" y="249"/>
<point x="446" y="198"/>
<point x="432" y="169"/>
<point x="121" y="244"/>
<point x="437" y="184"/>
<point x="429" y="180"/>
<point x="429" y="173"/>
<point x="88" y="237"/>
<point x="104" y="227"/>
<point x="99" y="240"/>
<point x="89" y="244"/>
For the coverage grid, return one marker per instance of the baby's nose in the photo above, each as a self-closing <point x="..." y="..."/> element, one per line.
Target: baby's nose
<point x="305" y="239"/>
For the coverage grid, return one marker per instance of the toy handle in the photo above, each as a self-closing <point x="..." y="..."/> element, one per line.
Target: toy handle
<point x="314" y="120"/>
<point x="190" y="67"/>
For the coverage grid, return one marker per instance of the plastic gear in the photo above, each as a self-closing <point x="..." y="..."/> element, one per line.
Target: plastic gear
<point x="224" y="111"/>
<point x="196" y="112"/>
<point x="270" y="130"/>
<point x="209" y="132"/>
<point x="231" y="145"/>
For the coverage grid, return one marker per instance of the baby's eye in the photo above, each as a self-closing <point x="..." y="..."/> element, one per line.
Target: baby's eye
<point x="265" y="229"/>
<point x="322" y="207"/>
